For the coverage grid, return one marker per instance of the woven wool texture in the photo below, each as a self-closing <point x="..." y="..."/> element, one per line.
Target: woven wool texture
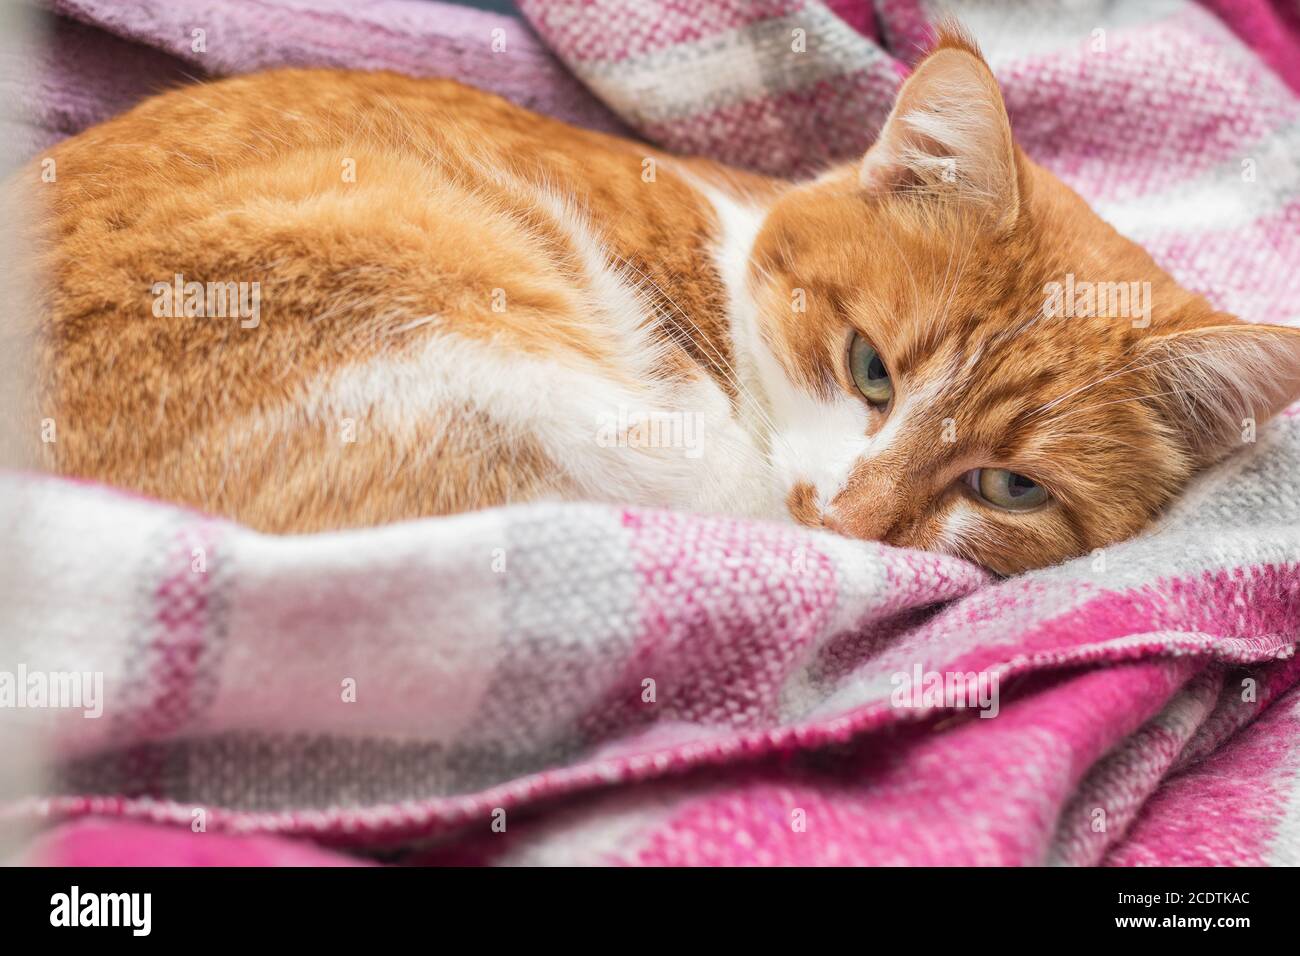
<point x="1150" y="697"/>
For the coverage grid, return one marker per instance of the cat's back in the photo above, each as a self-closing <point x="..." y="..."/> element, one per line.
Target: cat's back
<point x="264" y="116"/>
<point x="256" y="270"/>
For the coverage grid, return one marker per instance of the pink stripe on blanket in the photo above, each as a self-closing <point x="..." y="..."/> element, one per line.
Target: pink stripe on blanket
<point x="1105" y="803"/>
<point x="123" y="843"/>
<point x="1247" y="693"/>
<point x="858" y="14"/>
<point x="172" y="677"/>
<point x="1241" y="614"/>
<point x="906" y="28"/>
<point x="1229" y="809"/>
<point x="782" y="592"/>
<point x="1272" y="30"/>
<point x="185" y="601"/>
<point x="895" y="802"/>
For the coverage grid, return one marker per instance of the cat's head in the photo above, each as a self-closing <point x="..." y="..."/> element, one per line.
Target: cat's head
<point x="937" y="373"/>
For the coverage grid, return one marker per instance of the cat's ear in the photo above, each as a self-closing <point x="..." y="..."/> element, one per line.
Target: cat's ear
<point x="948" y="135"/>
<point x="1218" y="382"/>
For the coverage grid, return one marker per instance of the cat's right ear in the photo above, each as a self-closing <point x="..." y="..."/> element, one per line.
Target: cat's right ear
<point x="948" y="137"/>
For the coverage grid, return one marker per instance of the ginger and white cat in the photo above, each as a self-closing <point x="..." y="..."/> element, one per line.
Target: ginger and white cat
<point x="449" y="303"/>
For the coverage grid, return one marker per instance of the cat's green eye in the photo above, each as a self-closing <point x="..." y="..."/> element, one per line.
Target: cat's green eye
<point x="869" y="372"/>
<point x="1006" y="489"/>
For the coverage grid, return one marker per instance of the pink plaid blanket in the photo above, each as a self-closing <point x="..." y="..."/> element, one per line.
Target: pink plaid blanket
<point x="581" y="684"/>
